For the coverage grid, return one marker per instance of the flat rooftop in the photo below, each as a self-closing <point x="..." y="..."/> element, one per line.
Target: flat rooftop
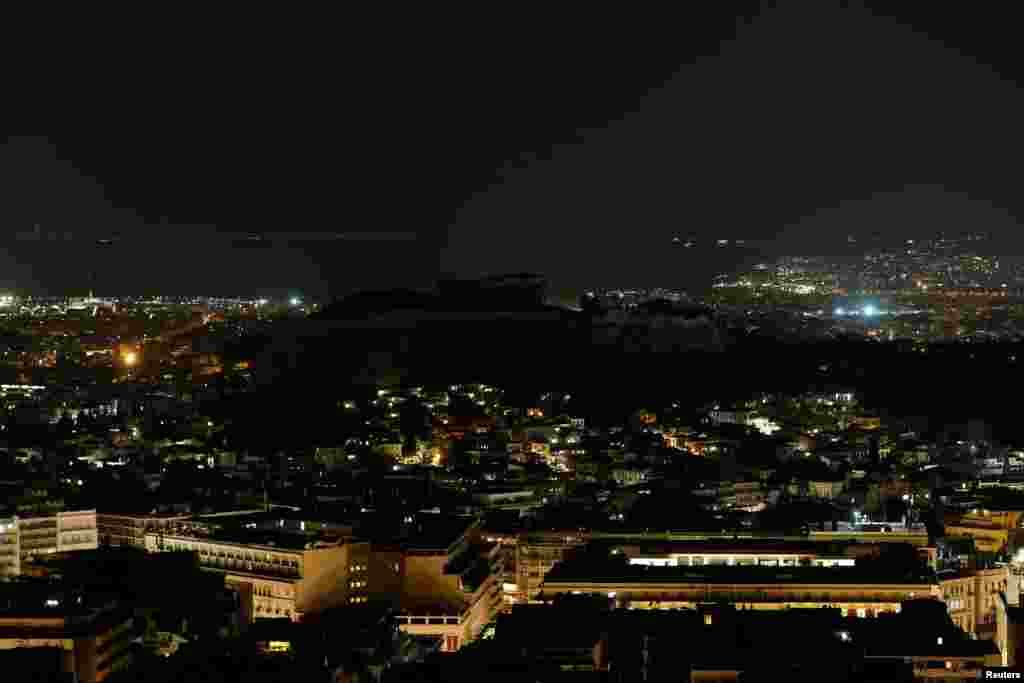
<point x="438" y="532"/>
<point x="282" y="540"/>
<point x="42" y="599"/>
<point x="725" y="546"/>
<point x="585" y="569"/>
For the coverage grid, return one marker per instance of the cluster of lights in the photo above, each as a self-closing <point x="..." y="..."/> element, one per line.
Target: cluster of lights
<point x="6" y="300"/>
<point x="867" y="311"/>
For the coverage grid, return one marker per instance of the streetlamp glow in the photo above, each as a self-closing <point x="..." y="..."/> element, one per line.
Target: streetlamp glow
<point x="130" y="358"/>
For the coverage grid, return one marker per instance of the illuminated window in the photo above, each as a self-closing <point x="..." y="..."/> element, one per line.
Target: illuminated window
<point x="707" y="620"/>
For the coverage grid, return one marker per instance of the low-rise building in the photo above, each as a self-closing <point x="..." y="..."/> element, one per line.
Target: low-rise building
<point x="91" y="631"/>
<point x="855" y="591"/>
<point x="630" y="476"/>
<point x="742" y="553"/>
<point x="828" y="490"/>
<point x="733" y="416"/>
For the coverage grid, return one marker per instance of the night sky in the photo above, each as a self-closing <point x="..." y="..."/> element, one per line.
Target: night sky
<point x="816" y="121"/>
<point x="573" y="145"/>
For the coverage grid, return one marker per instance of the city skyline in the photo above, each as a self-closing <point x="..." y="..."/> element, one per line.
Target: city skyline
<point x="500" y="165"/>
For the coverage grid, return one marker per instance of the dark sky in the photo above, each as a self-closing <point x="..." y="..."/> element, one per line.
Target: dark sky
<point x="816" y="120"/>
<point x="575" y="144"/>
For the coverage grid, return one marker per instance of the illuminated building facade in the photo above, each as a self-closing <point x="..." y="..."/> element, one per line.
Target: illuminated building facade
<point x="130" y="529"/>
<point x="10" y="552"/>
<point x="848" y="589"/>
<point x="859" y="579"/>
<point x="537" y="553"/>
<point x="448" y="586"/>
<point x="26" y="536"/>
<point x="993" y="531"/>
<point x="972" y="597"/>
<point x="288" y="579"/>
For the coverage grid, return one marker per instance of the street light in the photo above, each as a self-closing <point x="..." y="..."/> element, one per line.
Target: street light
<point x="130" y="358"/>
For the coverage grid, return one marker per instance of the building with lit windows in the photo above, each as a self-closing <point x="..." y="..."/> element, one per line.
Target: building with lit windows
<point x="972" y="598"/>
<point x="89" y="633"/>
<point x="536" y="553"/>
<point x="27" y="536"/>
<point x="1009" y="636"/>
<point x="449" y="585"/>
<point x="276" y="575"/>
<point x="130" y="529"/>
<point x="734" y="416"/>
<point x="740" y="554"/>
<point x="10" y="551"/>
<point x="863" y="590"/>
<point x="992" y="530"/>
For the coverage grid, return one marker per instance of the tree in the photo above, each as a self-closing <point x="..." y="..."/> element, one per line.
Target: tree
<point x="873" y="501"/>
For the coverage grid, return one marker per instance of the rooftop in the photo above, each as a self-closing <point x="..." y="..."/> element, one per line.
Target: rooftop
<point x="727" y="545"/>
<point x="41" y="599"/>
<point x="586" y="568"/>
<point x="438" y="532"/>
<point x="283" y="540"/>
